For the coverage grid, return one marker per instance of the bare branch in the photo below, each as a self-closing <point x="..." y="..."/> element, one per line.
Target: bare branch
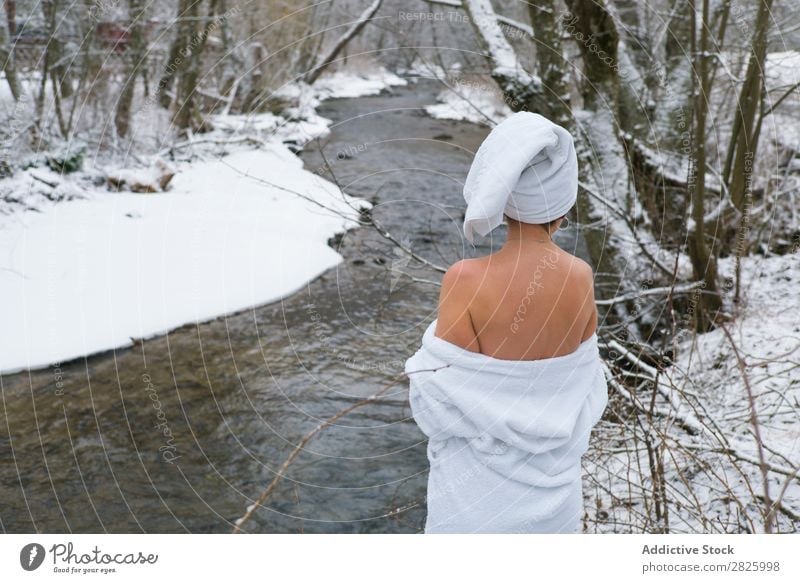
<point x="355" y="27"/>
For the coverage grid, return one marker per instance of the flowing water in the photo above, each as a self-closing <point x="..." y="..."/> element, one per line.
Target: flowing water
<point x="182" y="433"/>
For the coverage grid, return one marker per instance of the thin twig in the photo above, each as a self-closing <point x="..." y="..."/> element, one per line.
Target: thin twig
<point x="770" y="510"/>
<point x="308" y="437"/>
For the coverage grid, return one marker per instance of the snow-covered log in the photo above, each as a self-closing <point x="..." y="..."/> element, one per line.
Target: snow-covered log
<point x="153" y="179"/>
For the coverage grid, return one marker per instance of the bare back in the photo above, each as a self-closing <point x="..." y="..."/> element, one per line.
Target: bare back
<point x="522" y="303"/>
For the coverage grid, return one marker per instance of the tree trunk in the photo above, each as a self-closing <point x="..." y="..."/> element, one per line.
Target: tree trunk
<point x="742" y="149"/>
<point x="11" y="17"/>
<point x="135" y="55"/>
<point x="679" y="32"/>
<point x="596" y="34"/>
<point x="551" y="63"/>
<point x="52" y="53"/>
<point x="704" y="263"/>
<point x="59" y="71"/>
<point x="522" y="91"/>
<point x="591" y="26"/>
<point x="7" y="64"/>
<point x="179" y="50"/>
<point x="186" y="112"/>
<point x="231" y="78"/>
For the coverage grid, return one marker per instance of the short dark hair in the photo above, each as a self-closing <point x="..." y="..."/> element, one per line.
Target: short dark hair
<point x="548" y="224"/>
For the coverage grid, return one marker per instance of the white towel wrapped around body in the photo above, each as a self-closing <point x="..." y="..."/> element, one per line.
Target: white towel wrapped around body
<point x="505" y="437"/>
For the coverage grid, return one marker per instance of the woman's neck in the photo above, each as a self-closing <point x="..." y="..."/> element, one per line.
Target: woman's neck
<point x="522" y="233"/>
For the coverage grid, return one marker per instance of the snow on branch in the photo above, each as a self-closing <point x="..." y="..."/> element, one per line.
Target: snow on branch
<point x="684" y="413"/>
<point x="674" y="289"/>
<point x="453" y="3"/>
<point x="506" y="64"/>
<point x="521" y="26"/>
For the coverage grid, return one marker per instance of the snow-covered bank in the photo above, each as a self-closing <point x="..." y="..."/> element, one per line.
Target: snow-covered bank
<point x="473" y="101"/>
<point x="473" y="98"/>
<point x="84" y="269"/>
<point x="351" y="84"/>
<point x="300" y="123"/>
<point x="89" y="275"/>
<point x="702" y="428"/>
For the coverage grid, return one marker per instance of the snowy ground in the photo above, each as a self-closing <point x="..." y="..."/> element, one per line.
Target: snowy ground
<point x="84" y="269"/>
<point x="702" y="427"/>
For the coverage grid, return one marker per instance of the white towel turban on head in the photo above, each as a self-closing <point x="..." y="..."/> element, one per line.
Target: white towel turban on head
<point x="526" y="168"/>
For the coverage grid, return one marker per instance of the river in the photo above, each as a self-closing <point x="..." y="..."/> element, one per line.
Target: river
<point x="181" y="433"/>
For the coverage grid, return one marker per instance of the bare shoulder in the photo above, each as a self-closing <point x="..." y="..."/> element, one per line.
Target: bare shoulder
<point x="581" y="270"/>
<point x="584" y="278"/>
<point x="454" y="323"/>
<point x="582" y="266"/>
<point x="464" y="273"/>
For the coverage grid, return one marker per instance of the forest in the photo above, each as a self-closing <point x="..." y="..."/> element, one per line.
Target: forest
<point x="228" y="219"/>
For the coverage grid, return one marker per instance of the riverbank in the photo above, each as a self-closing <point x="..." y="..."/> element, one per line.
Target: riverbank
<point x="87" y="269"/>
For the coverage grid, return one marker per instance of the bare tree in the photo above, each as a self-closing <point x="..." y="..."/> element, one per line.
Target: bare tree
<point x="179" y="51"/>
<point x="353" y="30"/>
<point x="704" y="263"/>
<point x="52" y="55"/>
<point x="523" y="89"/>
<point x="186" y="114"/>
<point x="678" y="33"/>
<point x="737" y="172"/>
<point x="135" y="56"/>
<point x="7" y="62"/>
<point x="550" y="61"/>
<point x="744" y="138"/>
<point x="596" y="26"/>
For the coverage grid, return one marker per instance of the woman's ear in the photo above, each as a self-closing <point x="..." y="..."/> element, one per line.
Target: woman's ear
<point x="556" y="224"/>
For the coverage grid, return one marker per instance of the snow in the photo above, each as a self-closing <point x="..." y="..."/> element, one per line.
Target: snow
<point x="712" y="477"/>
<point x="353" y="84"/>
<point x="466" y="101"/>
<point x="300" y="122"/>
<point x="31" y="190"/>
<point x="470" y="98"/>
<point x="783" y="72"/>
<point x="153" y="179"/>
<point x="767" y="333"/>
<point x="88" y="275"/>
<point x="506" y="63"/>
<point x="782" y="69"/>
<point x="84" y="269"/>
